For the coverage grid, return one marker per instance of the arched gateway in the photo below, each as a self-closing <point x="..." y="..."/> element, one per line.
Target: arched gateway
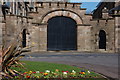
<point x="61" y="33"/>
<point x="61" y="29"/>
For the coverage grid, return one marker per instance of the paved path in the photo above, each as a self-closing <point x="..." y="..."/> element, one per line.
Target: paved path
<point x="104" y="63"/>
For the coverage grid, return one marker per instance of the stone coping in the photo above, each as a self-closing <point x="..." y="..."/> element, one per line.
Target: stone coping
<point x="59" y="2"/>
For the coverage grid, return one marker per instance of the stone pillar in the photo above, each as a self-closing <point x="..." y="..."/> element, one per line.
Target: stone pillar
<point x="84" y="38"/>
<point x="117" y="29"/>
<point x="38" y="38"/>
<point x="0" y="63"/>
<point x="34" y="35"/>
<point x="27" y="40"/>
<point x="117" y="34"/>
<point x="43" y="38"/>
<point x="1" y="35"/>
<point x="1" y="18"/>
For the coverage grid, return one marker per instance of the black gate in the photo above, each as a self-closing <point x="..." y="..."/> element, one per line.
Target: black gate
<point x="102" y="39"/>
<point x="61" y="34"/>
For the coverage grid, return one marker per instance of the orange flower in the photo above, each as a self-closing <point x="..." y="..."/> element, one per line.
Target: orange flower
<point x="45" y="74"/>
<point x="57" y="70"/>
<point x="55" y="73"/>
<point x="82" y="72"/>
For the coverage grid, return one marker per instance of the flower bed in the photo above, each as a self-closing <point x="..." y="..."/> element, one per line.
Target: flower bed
<point x="52" y="71"/>
<point x="60" y="75"/>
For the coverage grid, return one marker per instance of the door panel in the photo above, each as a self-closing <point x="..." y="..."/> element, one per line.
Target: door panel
<point x="24" y="38"/>
<point x="102" y="39"/>
<point x="62" y="34"/>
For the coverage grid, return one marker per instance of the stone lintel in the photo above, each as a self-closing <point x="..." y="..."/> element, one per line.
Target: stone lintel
<point x="28" y="17"/>
<point x="82" y="8"/>
<point x="33" y="12"/>
<point x="16" y="15"/>
<point x="115" y="15"/>
<point x="35" y="23"/>
<point x="11" y="15"/>
<point x="88" y="14"/>
<point x="3" y="21"/>
<point x="1" y="16"/>
<point x="83" y="25"/>
<point x="101" y="19"/>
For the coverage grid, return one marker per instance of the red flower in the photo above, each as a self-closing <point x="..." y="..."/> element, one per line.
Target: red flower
<point x="63" y="71"/>
<point x="41" y="72"/>
<point x="24" y="73"/>
<point x="67" y="71"/>
<point x="34" y="72"/>
<point x="27" y="76"/>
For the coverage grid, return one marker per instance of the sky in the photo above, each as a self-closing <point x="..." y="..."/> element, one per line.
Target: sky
<point x="89" y="5"/>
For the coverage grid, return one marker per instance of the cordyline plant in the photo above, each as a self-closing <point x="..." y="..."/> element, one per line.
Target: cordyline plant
<point x="11" y="58"/>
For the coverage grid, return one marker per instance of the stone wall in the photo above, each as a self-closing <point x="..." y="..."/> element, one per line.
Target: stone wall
<point x="1" y="25"/>
<point x="36" y="27"/>
<point x="13" y="28"/>
<point x="108" y="27"/>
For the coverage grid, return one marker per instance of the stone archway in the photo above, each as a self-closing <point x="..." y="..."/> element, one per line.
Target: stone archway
<point x="62" y="12"/>
<point x="61" y="33"/>
<point x="59" y="13"/>
<point x="102" y="39"/>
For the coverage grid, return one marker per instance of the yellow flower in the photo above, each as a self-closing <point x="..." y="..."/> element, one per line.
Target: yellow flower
<point x="38" y="76"/>
<point x="83" y="72"/>
<point x="30" y="72"/>
<point x="72" y="73"/>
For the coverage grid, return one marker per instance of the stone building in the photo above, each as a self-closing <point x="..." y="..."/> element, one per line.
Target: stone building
<point x="60" y="26"/>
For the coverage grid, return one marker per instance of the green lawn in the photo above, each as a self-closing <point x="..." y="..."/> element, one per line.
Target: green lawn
<point x="42" y="66"/>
